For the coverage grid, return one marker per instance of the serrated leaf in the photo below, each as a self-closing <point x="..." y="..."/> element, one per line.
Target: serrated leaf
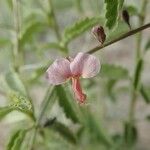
<point x="21" y="103"/>
<point x="16" y="140"/>
<point x="14" y="82"/>
<point x="4" y="111"/>
<point x="64" y="131"/>
<point x="111" y="14"/>
<point x="113" y="72"/>
<point x="29" y="32"/>
<point x="78" y="28"/>
<point x="66" y="104"/>
<point x="130" y="133"/>
<point x="137" y="73"/>
<point x="145" y="94"/>
<point x="147" y="46"/>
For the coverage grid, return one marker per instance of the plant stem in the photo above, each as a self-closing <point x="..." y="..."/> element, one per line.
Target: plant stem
<point x="138" y="56"/>
<point x="139" y="36"/>
<point x="46" y="101"/>
<point x="123" y="36"/>
<point x="56" y="27"/>
<point x="132" y="106"/>
<point x="17" y="31"/>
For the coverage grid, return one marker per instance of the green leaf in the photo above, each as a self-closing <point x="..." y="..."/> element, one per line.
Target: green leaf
<point x="21" y="103"/>
<point x="66" y="103"/>
<point x="18" y="103"/>
<point x="29" y="32"/>
<point x="145" y="94"/>
<point x="78" y="28"/>
<point x="14" y="82"/>
<point x="4" y="111"/>
<point x="137" y="73"/>
<point x="132" y="10"/>
<point x="64" y="131"/>
<point x="16" y="140"/>
<point x="147" y="46"/>
<point x="111" y="14"/>
<point x="95" y="129"/>
<point x="113" y="72"/>
<point x="110" y="86"/>
<point x="130" y="133"/>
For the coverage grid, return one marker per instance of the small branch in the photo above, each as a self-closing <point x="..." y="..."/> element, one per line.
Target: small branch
<point x="125" y="35"/>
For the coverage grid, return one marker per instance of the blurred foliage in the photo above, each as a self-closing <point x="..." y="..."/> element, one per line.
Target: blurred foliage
<point x="33" y="34"/>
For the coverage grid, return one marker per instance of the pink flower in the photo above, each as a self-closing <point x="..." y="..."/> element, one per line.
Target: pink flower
<point x="83" y="65"/>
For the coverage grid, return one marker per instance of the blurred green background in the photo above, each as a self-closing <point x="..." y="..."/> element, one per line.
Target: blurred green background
<point x="42" y="41"/>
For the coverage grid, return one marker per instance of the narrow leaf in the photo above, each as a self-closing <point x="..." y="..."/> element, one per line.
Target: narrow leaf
<point x="130" y="134"/>
<point x="111" y="13"/>
<point x="29" y="32"/>
<point x="64" y="131"/>
<point x="78" y="28"/>
<point x="66" y="104"/>
<point x="16" y="140"/>
<point x="137" y="73"/>
<point x="147" y="46"/>
<point x="110" y="86"/>
<point x="145" y="94"/>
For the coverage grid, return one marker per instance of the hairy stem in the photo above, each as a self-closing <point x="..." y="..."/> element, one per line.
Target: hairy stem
<point x="123" y="36"/>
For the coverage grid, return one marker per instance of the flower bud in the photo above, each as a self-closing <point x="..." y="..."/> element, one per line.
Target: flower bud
<point x="99" y="33"/>
<point x="126" y="17"/>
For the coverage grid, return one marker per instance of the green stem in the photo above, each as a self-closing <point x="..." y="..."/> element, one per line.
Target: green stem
<point x="123" y="36"/>
<point x="138" y="56"/>
<point x="46" y="101"/>
<point x="139" y="36"/>
<point x="17" y="31"/>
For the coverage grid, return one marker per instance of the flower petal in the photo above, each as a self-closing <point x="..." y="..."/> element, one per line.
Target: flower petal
<point x="80" y="96"/>
<point x="85" y="65"/>
<point x="59" y="71"/>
